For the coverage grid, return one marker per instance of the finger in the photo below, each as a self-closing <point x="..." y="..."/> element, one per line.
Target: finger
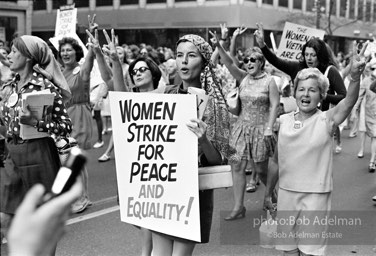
<point x="355" y="49"/>
<point x="32" y="199"/>
<point x="108" y="39"/>
<point x="243" y="30"/>
<point x="363" y="48"/>
<point x="93" y="20"/>
<point x="88" y="19"/>
<point x="113" y="36"/>
<point x="96" y="35"/>
<point x="214" y="35"/>
<point x="89" y="34"/>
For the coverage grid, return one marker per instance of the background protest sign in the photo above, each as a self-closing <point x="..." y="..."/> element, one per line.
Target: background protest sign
<point x="156" y="161"/>
<point x="293" y="38"/>
<point x="66" y="21"/>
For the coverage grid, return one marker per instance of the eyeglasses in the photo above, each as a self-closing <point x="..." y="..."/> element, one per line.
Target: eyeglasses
<point x="252" y="60"/>
<point x="372" y="68"/>
<point x="141" y="69"/>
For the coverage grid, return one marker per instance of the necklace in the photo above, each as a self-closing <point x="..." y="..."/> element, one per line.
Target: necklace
<point x="299" y="123"/>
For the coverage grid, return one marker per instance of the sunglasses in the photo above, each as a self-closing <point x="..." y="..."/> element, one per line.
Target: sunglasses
<point x="252" y="60"/>
<point x="141" y="69"/>
<point x="372" y="68"/>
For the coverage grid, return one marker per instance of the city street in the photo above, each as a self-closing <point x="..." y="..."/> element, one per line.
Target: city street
<point x="99" y="231"/>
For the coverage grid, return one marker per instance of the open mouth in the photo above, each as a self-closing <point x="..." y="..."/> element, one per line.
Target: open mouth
<point x="184" y="70"/>
<point x="305" y="101"/>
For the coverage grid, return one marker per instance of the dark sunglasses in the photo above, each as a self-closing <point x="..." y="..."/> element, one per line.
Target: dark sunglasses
<point x="372" y="68"/>
<point x="252" y="60"/>
<point x="141" y="69"/>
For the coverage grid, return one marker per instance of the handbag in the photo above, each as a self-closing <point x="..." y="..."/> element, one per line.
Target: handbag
<point x="217" y="176"/>
<point x="233" y="101"/>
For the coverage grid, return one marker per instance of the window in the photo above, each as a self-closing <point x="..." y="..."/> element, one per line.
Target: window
<point x="176" y="1"/>
<point x="124" y="2"/>
<point x="81" y="3"/>
<point x="57" y="3"/>
<point x="368" y="11"/>
<point x="104" y="2"/>
<point x="155" y="1"/>
<point x="342" y="8"/>
<point x="283" y="3"/>
<point x="267" y="2"/>
<point x="297" y="4"/>
<point x="360" y="10"/>
<point x="352" y="8"/>
<point x="39" y="5"/>
<point x="310" y="6"/>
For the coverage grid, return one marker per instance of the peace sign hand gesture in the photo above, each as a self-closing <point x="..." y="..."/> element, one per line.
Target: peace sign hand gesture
<point x="224" y="31"/>
<point x="259" y="34"/>
<point x="92" y="24"/>
<point x="358" y="62"/>
<point x="93" y="41"/>
<point x="214" y="38"/>
<point x="110" y="48"/>
<point x="239" y="31"/>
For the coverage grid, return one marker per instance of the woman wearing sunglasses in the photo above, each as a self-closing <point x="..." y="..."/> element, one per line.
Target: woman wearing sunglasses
<point x="252" y="135"/>
<point x="145" y="74"/>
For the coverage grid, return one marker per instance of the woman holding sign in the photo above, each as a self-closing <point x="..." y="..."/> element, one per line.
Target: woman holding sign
<point x="31" y="161"/>
<point x="195" y="69"/>
<point x="144" y="74"/>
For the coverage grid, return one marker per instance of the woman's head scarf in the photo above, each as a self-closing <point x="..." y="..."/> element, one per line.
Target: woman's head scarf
<point x="216" y="114"/>
<point x="46" y="63"/>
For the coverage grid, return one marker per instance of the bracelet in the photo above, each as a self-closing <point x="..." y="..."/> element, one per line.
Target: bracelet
<point x="353" y="80"/>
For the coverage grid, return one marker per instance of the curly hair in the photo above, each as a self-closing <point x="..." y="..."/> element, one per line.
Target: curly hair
<point x="75" y="45"/>
<point x="256" y="51"/>
<point x="154" y="69"/>
<point x="322" y="80"/>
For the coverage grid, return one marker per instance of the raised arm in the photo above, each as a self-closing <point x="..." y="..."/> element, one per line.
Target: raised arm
<point x="117" y="69"/>
<point x="339" y="113"/>
<point x="236" y="33"/>
<point x="104" y="69"/>
<point x="88" y="64"/>
<point x="236" y="72"/>
<point x="290" y="67"/>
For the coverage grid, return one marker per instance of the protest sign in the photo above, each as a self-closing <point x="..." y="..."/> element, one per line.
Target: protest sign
<point x="156" y="161"/>
<point x="66" y="22"/>
<point x="293" y="38"/>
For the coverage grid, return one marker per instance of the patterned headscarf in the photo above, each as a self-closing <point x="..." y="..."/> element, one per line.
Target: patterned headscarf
<point x="216" y="114"/>
<point x="46" y="63"/>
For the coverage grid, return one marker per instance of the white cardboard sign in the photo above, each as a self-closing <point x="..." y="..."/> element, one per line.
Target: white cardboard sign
<point x="294" y="37"/>
<point x="156" y="161"/>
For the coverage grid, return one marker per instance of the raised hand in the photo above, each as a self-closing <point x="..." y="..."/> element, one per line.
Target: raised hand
<point x="224" y="31"/>
<point x="93" y="41"/>
<point x="214" y="38"/>
<point x="92" y="24"/>
<point x="239" y="31"/>
<point x="358" y="62"/>
<point x="259" y="34"/>
<point x="110" y="48"/>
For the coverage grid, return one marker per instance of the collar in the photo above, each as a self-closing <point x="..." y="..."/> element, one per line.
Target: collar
<point x="35" y="79"/>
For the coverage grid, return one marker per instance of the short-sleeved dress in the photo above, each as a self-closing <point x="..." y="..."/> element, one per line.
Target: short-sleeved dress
<point x="248" y="132"/>
<point x="79" y="108"/>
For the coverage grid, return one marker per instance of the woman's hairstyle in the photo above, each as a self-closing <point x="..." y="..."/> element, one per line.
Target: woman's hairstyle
<point x="124" y="59"/>
<point x="21" y="46"/>
<point x="322" y="80"/>
<point x="75" y="45"/>
<point x="154" y="69"/>
<point x="321" y="52"/>
<point x="256" y="51"/>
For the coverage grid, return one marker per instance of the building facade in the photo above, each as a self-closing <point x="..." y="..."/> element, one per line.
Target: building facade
<point x="162" y="22"/>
